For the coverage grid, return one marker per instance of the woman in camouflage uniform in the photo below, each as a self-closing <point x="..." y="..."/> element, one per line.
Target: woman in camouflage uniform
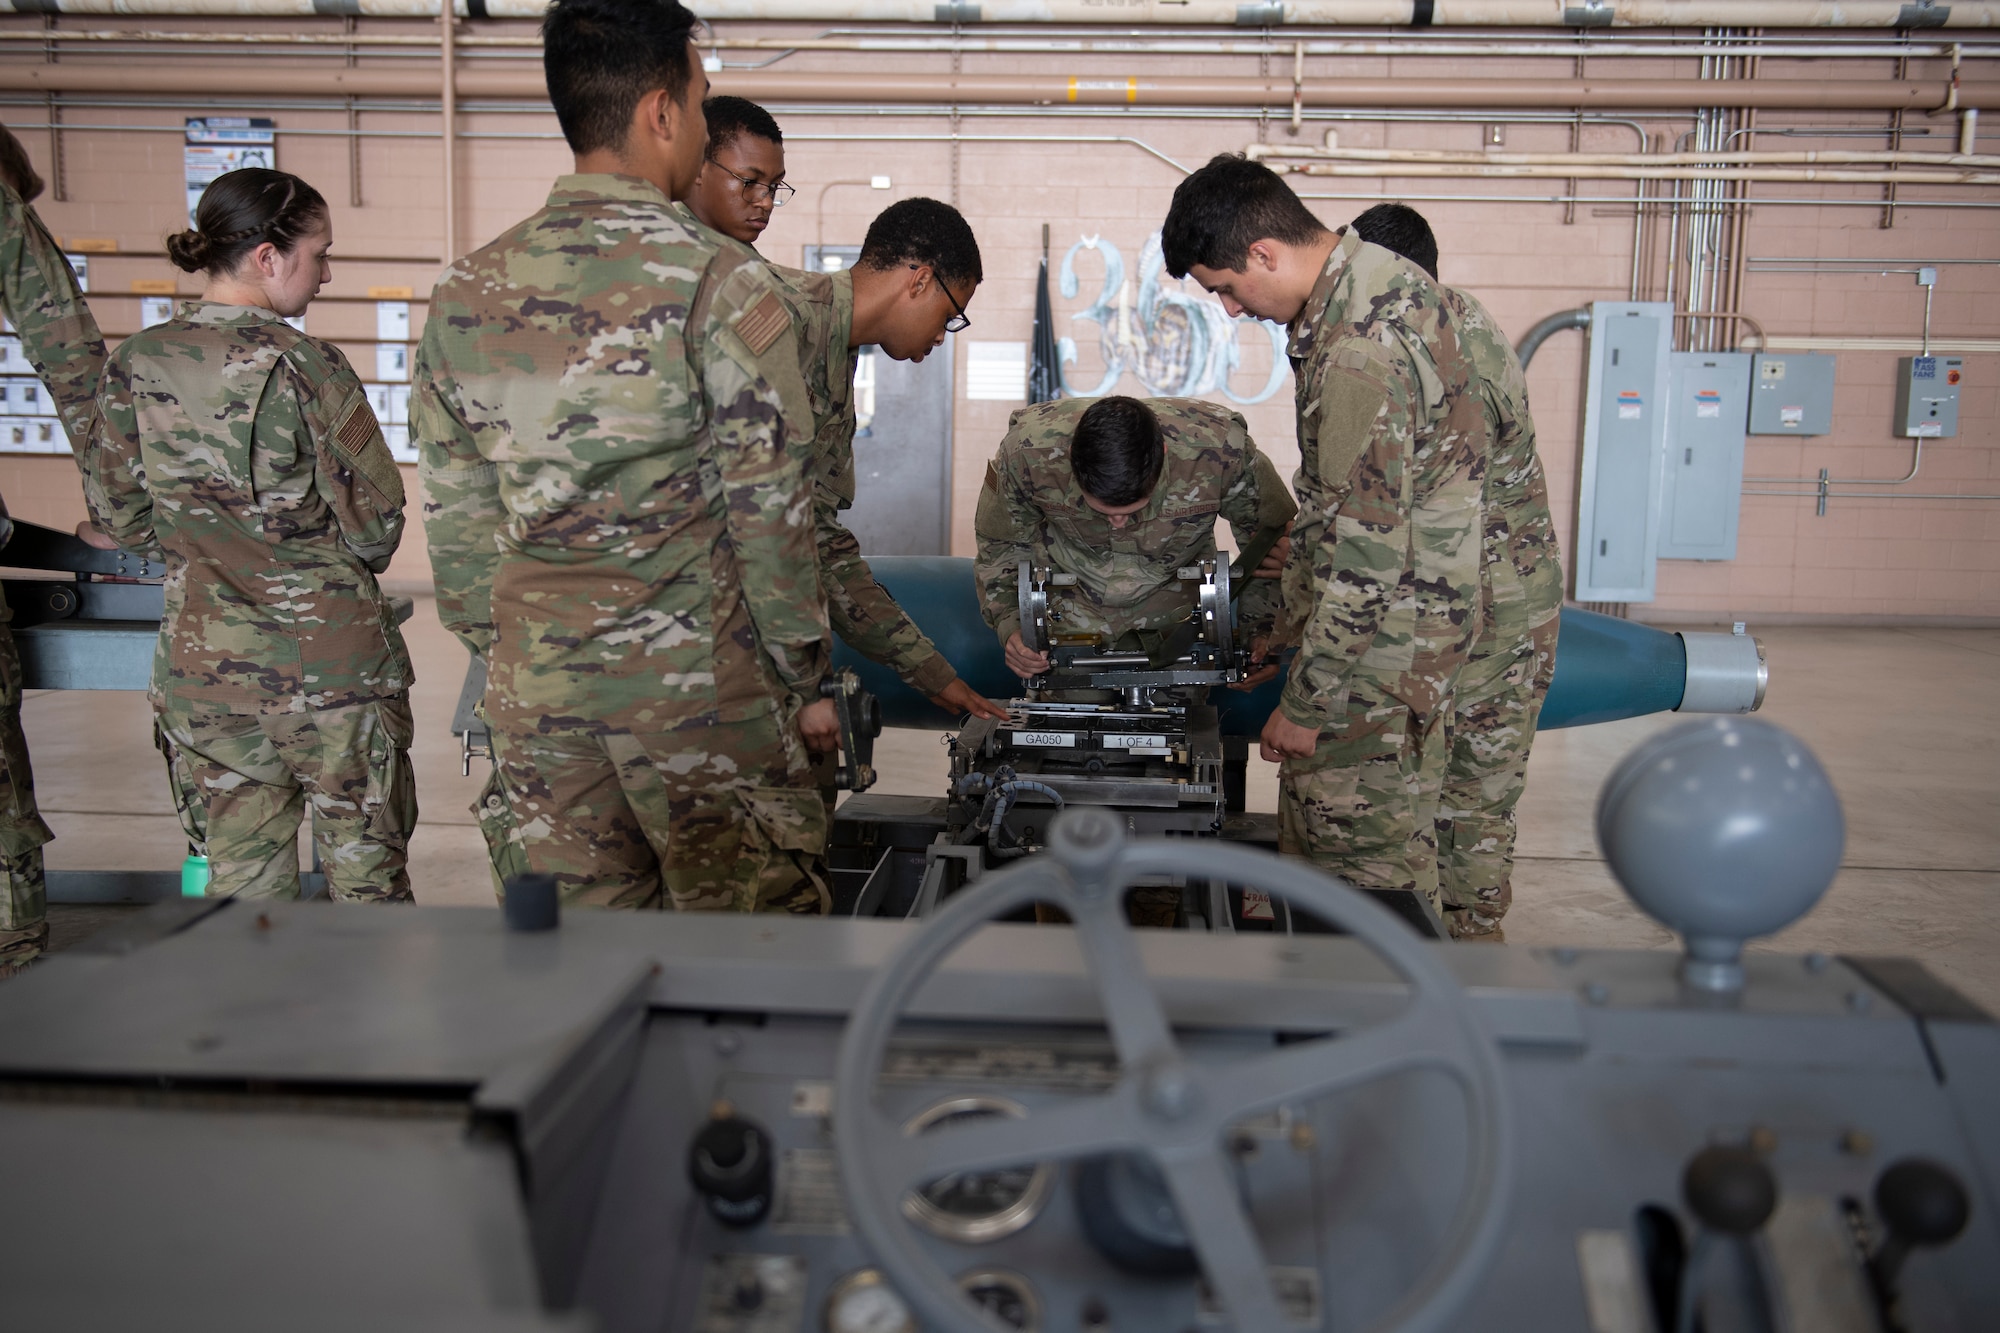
<point x="247" y="452"/>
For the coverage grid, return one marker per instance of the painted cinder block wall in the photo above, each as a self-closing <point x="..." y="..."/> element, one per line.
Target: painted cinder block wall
<point x="1524" y="260"/>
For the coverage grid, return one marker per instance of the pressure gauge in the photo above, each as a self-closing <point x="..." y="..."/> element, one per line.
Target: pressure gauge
<point x="1007" y="1296"/>
<point x="973" y="1207"/>
<point x="864" y="1302"/>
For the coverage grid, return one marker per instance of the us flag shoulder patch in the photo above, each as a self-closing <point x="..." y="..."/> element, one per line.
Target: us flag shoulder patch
<point x="357" y="429"/>
<point x="761" y="324"/>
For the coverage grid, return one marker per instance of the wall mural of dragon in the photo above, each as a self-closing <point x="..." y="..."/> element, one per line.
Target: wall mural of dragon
<point x="1176" y="345"/>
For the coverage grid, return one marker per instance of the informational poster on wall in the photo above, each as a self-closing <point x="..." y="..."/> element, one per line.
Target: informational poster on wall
<point x="217" y="145"/>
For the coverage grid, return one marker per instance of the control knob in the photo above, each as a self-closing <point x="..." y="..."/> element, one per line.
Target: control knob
<point x="1923" y="1205"/>
<point x="729" y="1162"/>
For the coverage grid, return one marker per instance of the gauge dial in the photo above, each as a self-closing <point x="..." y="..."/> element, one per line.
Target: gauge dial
<point x="1007" y="1296"/>
<point x="977" y="1206"/>
<point x="864" y="1302"/>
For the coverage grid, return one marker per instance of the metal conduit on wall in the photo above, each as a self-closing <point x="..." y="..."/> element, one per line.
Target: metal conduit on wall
<point x="1884" y="14"/>
<point x="1049" y="90"/>
<point x="1061" y="40"/>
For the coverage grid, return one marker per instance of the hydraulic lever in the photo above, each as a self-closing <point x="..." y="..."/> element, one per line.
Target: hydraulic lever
<point x="860" y="723"/>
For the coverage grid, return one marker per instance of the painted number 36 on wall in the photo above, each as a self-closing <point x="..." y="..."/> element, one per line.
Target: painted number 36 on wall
<point x="1178" y="346"/>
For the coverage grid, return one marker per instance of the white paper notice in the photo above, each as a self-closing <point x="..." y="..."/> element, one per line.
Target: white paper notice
<point x="219" y="144"/>
<point x="997" y="372"/>
<point x="392" y="321"/>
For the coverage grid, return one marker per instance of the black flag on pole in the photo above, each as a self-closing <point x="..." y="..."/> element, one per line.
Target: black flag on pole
<point x="1044" y="376"/>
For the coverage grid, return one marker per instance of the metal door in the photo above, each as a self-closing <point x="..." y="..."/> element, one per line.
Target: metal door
<point x="902" y="441"/>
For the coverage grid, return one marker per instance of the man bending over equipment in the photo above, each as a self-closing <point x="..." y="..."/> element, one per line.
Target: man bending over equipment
<point x="1122" y="493"/>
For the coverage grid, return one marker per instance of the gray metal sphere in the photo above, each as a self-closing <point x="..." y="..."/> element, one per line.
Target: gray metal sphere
<point x="1723" y="829"/>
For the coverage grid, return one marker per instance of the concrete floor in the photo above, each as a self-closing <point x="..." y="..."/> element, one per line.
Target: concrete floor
<point x="1907" y="721"/>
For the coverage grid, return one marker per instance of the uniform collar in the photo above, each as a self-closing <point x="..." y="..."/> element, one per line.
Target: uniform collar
<point x="1306" y="325"/>
<point x="215" y="312"/>
<point x="605" y="187"/>
<point x="843" y="310"/>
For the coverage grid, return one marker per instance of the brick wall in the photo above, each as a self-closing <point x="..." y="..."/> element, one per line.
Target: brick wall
<point x="1524" y="260"/>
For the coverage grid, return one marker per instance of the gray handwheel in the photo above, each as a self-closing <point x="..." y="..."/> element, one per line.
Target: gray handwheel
<point x="1175" y="1106"/>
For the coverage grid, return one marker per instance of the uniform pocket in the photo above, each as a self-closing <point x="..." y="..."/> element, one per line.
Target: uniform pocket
<point x="784" y="848"/>
<point x="495" y="812"/>
<point x="390" y="804"/>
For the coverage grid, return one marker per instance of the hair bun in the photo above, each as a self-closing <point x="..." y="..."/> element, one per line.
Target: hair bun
<point x="190" y="251"/>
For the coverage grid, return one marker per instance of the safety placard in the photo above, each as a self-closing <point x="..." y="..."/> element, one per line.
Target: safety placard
<point x="220" y="144"/>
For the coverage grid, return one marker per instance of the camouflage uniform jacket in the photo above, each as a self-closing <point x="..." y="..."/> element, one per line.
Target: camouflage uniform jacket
<point x="1522" y="562"/>
<point x="46" y="308"/>
<point x="861" y="610"/>
<point x="248" y="452"/>
<point x="610" y="418"/>
<point x="60" y="339"/>
<point x="1383" y="582"/>
<point x="1031" y="508"/>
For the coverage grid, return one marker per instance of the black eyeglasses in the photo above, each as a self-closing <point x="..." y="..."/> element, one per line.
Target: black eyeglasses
<point x="960" y="321"/>
<point x="777" y="192"/>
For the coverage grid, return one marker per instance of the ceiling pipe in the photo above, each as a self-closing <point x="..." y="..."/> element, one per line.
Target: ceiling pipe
<point x="1799" y="157"/>
<point x="1576" y="14"/>
<point x="1042" y="90"/>
<point x="1561" y="171"/>
<point x="1096" y="40"/>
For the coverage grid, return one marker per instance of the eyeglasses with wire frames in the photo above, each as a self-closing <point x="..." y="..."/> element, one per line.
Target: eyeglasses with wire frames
<point x="777" y="192"/>
<point x="959" y="321"/>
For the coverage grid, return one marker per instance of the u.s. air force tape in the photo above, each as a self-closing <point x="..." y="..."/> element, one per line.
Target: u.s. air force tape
<point x="761" y="324"/>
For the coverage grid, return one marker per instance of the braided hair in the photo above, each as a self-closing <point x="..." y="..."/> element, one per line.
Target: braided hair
<point x="239" y="212"/>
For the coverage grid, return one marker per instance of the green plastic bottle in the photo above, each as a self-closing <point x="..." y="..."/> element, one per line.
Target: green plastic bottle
<point x="194" y="877"/>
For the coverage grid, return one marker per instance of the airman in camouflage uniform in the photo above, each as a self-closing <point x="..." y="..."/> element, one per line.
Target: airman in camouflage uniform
<point x="1383" y="581"/>
<point x="1499" y="695"/>
<point x="861" y="610"/>
<point x="60" y="339"/>
<point x="1033" y="508"/>
<point x="1506" y="677"/>
<point x="247" y="452"/>
<point x="611" y="422"/>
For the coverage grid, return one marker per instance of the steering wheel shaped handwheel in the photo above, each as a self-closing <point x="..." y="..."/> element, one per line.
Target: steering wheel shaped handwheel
<point x="1176" y="1106"/>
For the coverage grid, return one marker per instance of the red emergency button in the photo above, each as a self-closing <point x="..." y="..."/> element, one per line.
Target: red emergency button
<point x="1951" y="377"/>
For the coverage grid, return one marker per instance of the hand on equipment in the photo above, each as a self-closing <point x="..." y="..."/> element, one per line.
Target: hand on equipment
<point x="1023" y="661"/>
<point x="1285" y="739"/>
<point x="91" y="535"/>
<point x="958" y="697"/>
<point x="1260" y="650"/>
<point x="1272" y="566"/>
<point x="820" y="724"/>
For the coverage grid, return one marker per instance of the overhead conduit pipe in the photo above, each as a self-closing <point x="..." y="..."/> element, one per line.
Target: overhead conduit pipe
<point x="1884" y="14"/>
<point x="900" y="88"/>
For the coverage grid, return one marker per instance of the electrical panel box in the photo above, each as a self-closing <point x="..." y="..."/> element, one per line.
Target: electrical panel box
<point x="1701" y="495"/>
<point x="1624" y="435"/>
<point x="1927" y="396"/>
<point x="1791" y="393"/>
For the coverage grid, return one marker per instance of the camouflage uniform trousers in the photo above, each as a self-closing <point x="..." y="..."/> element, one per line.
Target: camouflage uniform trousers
<point x="24" y="928"/>
<point x="1364" y="806"/>
<point x="242" y="782"/>
<point x="1491" y="727"/>
<point x="723" y="818"/>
